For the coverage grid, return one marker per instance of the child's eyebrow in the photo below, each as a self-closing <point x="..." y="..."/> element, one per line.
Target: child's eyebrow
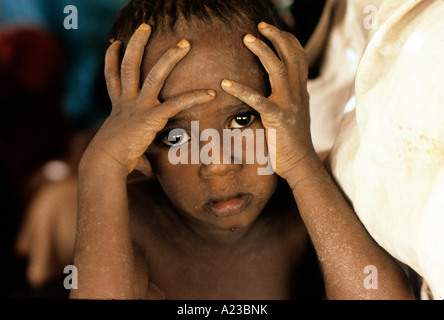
<point x="225" y="111"/>
<point x="237" y="109"/>
<point x="173" y="122"/>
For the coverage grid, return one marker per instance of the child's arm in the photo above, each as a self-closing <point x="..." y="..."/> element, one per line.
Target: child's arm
<point x="104" y="255"/>
<point x="343" y="246"/>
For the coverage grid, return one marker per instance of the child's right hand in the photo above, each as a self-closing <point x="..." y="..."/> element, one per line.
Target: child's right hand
<point x="137" y="115"/>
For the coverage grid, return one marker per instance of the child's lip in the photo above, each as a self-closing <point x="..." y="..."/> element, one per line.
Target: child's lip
<point x="228" y="203"/>
<point x="224" y="196"/>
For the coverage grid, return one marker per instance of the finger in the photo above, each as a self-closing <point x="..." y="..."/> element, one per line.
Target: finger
<point x="130" y="69"/>
<point x="272" y="64"/>
<point x="249" y="96"/>
<point x="156" y="77"/>
<point x="184" y="101"/>
<point x="285" y="43"/>
<point x="290" y="51"/>
<point x="112" y="70"/>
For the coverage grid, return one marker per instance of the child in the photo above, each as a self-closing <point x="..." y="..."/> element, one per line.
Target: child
<point x="213" y="230"/>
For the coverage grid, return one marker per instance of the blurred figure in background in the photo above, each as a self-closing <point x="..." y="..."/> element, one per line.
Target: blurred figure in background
<point x="32" y="128"/>
<point x="47" y="234"/>
<point x="51" y="92"/>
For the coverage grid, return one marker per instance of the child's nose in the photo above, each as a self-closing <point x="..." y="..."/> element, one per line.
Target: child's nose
<point x="221" y="169"/>
<point x="223" y="162"/>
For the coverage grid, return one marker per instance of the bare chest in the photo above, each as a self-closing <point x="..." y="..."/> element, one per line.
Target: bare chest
<point x="263" y="271"/>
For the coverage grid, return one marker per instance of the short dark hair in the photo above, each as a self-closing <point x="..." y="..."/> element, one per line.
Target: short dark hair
<point x="165" y="15"/>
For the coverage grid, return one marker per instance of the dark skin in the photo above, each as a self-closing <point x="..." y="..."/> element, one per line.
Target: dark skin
<point x="253" y="263"/>
<point x="179" y="244"/>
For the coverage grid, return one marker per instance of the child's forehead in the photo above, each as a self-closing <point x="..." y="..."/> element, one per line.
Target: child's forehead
<point x="214" y="56"/>
<point x="205" y="42"/>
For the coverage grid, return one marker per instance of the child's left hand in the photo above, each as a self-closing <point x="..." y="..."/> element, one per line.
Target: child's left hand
<point x="287" y="108"/>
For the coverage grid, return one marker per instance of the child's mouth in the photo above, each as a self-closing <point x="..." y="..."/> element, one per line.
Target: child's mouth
<point x="228" y="205"/>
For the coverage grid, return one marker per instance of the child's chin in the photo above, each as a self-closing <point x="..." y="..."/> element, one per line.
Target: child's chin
<point x="241" y="220"/>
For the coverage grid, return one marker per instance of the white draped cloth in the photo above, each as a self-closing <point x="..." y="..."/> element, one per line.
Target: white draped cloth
<point x="378" y="122"/>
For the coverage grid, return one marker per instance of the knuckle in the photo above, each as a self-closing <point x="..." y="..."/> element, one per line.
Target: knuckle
<point x="285" y="34"/>
<point x="172" y="54"/>
<point x="161" y="68"/>
<point x="136" y="42"/>
<point x="257" y="100"/>
<point x="127" y="64"/>
<point x="280" y="70"/>
<point x="152" y="78"/>
<point x="176" y="101"/>
<point x="170" y="58"/>
<point x="154" y="119"/>
<point x="275" y="32"/>
<point x="109" y="75"/>
<point x="242" y="91"/>
<point x="293" y="60"/>
<point x="127" y="67"/>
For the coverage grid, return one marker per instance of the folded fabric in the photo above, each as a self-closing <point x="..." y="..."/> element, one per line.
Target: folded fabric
<point x="388" y="156"/>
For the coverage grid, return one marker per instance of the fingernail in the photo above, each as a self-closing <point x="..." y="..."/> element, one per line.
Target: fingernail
<point x="249" y="38"/>
<point x="227" y="83"/>
<point x="183" y="44"/>
<point x="211" y="93"/>
<point x="144" y="26"/>
<point x="263" y="25"/>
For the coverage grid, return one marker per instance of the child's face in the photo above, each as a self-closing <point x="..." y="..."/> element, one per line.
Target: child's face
<point x="215" y="196"/>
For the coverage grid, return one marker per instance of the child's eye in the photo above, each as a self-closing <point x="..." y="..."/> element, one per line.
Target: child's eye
<point x="176" y="137"/>
<point x="241" y="120"/>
